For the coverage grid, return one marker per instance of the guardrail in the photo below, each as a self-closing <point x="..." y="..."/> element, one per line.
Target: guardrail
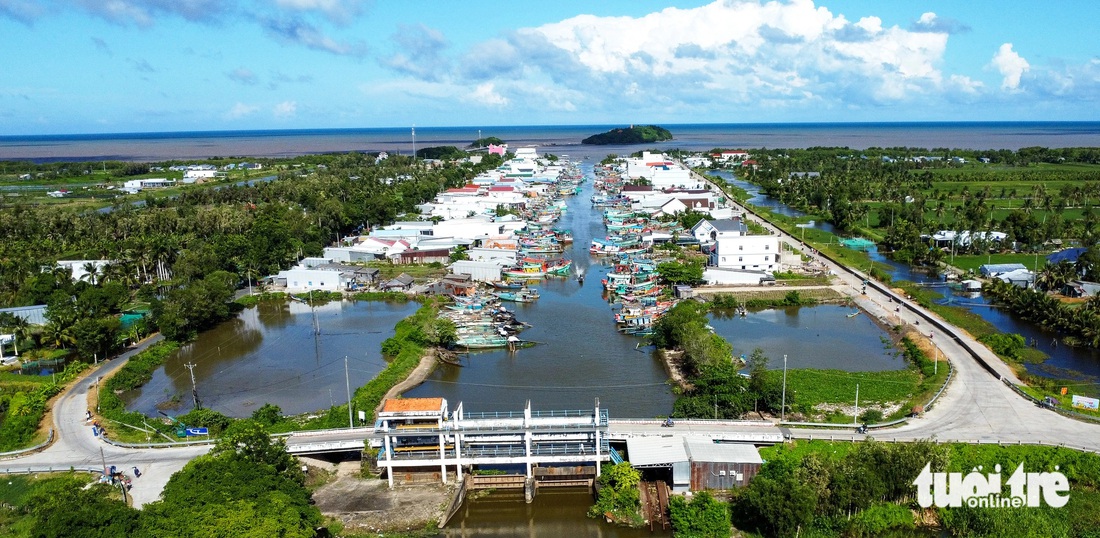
<point x="1059" y="410"/>
<point x="175" y="444"/>
<point x="49" y="469"/>
<point x="25" y="451"/>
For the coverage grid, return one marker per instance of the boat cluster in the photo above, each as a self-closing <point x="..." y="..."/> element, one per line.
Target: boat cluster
<point x="632" y="283"/>
<point x="481" y="322"/>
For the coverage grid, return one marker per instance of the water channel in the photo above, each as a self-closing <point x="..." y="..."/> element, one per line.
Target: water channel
<point x="1064" y="362"/>
<point x="272" y="353"/>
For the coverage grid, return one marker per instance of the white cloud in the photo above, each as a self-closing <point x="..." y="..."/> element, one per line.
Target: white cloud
<point x="739" y="52"/>
<point x="1011" y="65"/>
<point x="286" y="109"/>
<point x="335" y="10"/>
<point x="240" y="110"/>
<point x="486" y="94"/>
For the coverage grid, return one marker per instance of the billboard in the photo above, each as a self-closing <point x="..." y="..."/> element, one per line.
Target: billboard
<point x="1082" y="402"/>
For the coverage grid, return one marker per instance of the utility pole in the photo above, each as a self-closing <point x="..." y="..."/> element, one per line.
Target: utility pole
<point x="783" y="406"/>
<point x="855" y="415"/>
<point x="194" y="387"/>
<point x="347" y="381"/>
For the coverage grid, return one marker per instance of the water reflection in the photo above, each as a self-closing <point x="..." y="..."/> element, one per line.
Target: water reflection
<point x="277" y="352"/>
<point x="554" y="513"/>
<point x="811" y="337"/>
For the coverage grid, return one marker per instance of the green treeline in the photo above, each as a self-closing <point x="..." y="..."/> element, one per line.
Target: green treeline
<point x="246" y="486"/>
<point x="23" y="404"/>
<point x="716" y="389"/>
<point x="897" y="194"/>
<point x="635" y="134"/>
<point x="1080" y="321"/>
<point x="866" y="489"/>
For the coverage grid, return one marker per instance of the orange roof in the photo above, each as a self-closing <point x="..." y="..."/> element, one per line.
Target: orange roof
<point x="412" y="404"/>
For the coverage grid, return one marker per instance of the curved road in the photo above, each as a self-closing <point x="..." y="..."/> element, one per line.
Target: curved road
<point x="75" y="446"/>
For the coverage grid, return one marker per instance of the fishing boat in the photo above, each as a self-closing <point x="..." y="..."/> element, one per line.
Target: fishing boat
<point x="525" y="295"/>
<point x="507" y="285"/>
<point x="854" y="314"/>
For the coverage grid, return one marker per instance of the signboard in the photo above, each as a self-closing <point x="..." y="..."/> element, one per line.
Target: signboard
<point x="362" y="416"/>
<point x="197" y="431"/>
<point x="1083" y="402"/>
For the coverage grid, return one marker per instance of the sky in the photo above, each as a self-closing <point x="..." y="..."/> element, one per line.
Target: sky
<point x="111" y="66"/>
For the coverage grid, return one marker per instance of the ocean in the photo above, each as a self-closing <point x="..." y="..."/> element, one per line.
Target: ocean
<point x="559" y="139"/>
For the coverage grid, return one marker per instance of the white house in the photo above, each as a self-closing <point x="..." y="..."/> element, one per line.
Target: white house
<point x="80" y="268"/>
<point x="148" y="183"/>
<point x="192" y="176"/>
<point x="710" y="231"/>
<point x="301" y="279"/>
<point x="747" y="252"/>
<point x="662" y="172"/>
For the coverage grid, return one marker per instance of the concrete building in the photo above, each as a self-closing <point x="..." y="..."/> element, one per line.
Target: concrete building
<point x="748" y="252"/>
<point x="418" y="433"/>
<point x="709" y="231"/>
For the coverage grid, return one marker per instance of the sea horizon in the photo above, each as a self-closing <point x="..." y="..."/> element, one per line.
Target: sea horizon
<point x="260" y="143"/>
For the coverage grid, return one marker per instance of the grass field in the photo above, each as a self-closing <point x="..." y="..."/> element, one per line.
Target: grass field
<point x="974" y="261"/>
<point x="812" y="386"/>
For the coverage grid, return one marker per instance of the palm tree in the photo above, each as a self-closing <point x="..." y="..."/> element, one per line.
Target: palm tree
<point x="92" y="268"/>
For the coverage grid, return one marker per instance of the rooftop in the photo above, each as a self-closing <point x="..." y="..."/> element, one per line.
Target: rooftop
<point x="412" y="404"/>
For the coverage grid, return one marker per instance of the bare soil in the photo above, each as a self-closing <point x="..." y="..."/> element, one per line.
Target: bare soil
<point x="368" y="505"/>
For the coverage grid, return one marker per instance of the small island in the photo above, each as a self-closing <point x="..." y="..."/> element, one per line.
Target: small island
<point x="635" y="134"/>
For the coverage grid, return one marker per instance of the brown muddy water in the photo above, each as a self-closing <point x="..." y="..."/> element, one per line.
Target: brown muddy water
<point x="271" y="353"/>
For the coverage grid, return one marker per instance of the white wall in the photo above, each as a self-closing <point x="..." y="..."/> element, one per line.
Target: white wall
<point x="313" y="279"/>
<point x="749" y="252"/>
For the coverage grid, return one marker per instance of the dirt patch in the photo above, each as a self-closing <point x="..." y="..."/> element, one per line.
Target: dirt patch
<point x="416" y="377"/>
<point x="368" y="505"/>
<point x="672" y="359"/>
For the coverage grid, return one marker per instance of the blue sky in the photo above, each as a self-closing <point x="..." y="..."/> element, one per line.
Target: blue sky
<point x="101" y="66"/>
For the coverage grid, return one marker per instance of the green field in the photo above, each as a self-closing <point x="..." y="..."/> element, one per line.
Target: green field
<point x="810" y="387"/>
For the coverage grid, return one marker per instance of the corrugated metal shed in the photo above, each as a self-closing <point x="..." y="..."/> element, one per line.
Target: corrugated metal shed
<point x="33" y="315"/>
<point x="700" y="450"/>
<point x="721" y="466"/>
<point x="655" y="451"/>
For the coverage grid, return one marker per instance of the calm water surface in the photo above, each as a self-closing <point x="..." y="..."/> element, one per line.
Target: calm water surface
<point x="270" y="353"/>
<point x="555" y="513"/>
<point x="554" y="138"/>
<point x="811" y="337"/>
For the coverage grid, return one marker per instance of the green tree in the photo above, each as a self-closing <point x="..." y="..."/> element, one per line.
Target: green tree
<point x="68" y="508"/>
<point x="677" y="272"/>
<point x="702" y="517"/>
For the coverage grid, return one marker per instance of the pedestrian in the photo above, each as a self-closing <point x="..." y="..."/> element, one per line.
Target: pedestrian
<point x="88" y="415"/>
<point x="137" y="472"/>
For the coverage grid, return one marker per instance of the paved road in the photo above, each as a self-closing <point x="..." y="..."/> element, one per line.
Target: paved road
<point x="75" y="446"/>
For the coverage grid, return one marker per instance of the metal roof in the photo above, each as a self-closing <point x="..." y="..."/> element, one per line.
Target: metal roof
<point x="34" y="315"/>
<point x="706" y="450"/>
<point x="655" y="451"/>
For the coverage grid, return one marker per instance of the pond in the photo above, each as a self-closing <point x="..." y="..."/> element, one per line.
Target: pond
<point x="823" y="337"/>
<point x="280" y="352"/>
